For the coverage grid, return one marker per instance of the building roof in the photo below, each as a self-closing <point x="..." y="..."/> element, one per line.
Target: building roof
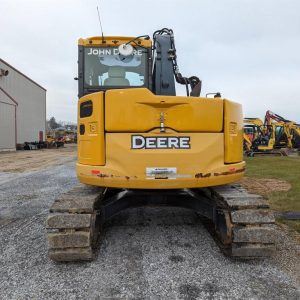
<point x="3" y="61"/>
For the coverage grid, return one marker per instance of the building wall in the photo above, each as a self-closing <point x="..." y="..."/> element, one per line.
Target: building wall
<point x="31" y="108"/>
<point x="7" y="124"/>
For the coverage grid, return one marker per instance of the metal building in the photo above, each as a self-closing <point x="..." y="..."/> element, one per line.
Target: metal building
<point x="22" y="108"/>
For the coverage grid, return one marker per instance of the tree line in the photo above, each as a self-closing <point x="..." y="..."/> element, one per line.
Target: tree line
<point x="53" y="124"/>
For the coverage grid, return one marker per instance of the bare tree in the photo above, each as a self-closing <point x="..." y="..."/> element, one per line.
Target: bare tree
<point x="53" y="124"/>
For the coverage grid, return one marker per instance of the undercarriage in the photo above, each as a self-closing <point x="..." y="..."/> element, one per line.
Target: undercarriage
<point x="241" y="223"/>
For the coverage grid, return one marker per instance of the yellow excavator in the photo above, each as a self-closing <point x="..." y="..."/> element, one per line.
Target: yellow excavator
<point x="287" y="132"/>
<point x="252" y="129"/>
<point x="139" y="144"/>
<point x="276" y="136"/>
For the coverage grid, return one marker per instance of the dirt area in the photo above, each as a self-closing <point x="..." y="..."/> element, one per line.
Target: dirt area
<point x="32" y="160"/>
<point x="264" y="186"/>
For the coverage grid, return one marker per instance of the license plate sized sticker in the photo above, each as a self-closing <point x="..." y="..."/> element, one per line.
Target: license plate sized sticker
<point x="161" y="171"/>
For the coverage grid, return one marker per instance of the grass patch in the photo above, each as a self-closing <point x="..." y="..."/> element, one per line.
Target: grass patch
<point x="295" y="225"/>
<point x="282" y="168"/>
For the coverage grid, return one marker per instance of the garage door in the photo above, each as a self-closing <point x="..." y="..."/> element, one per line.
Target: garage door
<point x="7" y="126"/>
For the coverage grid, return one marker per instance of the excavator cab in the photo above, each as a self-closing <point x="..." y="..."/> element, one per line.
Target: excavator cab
<point x="102" y="67"/>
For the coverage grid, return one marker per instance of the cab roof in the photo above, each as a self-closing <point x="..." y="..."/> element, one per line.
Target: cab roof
<point x="113" y="41"/>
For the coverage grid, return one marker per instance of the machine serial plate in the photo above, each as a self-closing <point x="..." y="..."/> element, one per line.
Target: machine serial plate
<point x="161" y="173"/>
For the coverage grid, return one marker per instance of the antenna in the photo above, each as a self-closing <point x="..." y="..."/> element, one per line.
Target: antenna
<point x="100" y="25"/>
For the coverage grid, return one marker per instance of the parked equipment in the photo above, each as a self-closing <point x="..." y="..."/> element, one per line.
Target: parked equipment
<point x="140" y="144"/>
<point x="252" y="129"/>
<point x="54" y="140"/>
<point x="275" y="136"/>
<point x="33" y="146"/>
<point x="288" y="132"/>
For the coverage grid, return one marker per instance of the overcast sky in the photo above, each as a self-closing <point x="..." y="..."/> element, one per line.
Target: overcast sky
<point x="249" y="50"/>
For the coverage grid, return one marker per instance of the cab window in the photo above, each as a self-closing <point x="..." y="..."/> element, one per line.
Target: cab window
<point x="104" y="67"/>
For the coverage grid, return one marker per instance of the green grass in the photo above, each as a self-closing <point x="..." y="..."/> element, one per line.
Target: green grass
<point x="283" y="168"/>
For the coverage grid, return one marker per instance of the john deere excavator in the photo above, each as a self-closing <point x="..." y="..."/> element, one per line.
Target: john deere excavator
<point x="140" y="144"/>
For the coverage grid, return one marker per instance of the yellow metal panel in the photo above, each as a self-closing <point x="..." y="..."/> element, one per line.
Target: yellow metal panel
<point x="113" y="41"/>
<point x="201" y="165"/>
<point x="133" y="162"/>
<point x="89" y="175"/>
<point x="139" y="110"/>
<point x="91" y="148"/>
<point x="233" y="132"/>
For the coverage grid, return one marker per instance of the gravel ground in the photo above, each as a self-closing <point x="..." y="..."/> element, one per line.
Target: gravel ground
<point x="145" y="253"/>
